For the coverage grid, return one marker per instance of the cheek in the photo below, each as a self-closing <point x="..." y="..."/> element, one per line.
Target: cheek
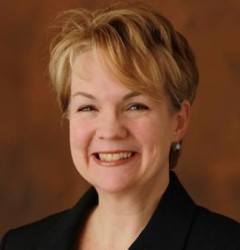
<point x="145" y="131"/>
<point x="79" y="134"/>
<point x="79" y="142"/>
<point x="152" y="134"/>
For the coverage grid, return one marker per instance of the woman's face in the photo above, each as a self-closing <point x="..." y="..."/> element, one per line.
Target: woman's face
<point x="120" y="139"/>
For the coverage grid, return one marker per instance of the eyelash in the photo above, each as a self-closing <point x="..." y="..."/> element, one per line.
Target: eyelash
<point x="132" y="107"/>
<point x="137" y="106"/>
<point x="86" y="108"/>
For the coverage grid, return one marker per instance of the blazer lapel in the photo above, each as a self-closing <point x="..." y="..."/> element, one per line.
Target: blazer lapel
<point x="167" y="229"/>
<point x="170" y="224"/>
<point x="63" y="234"/>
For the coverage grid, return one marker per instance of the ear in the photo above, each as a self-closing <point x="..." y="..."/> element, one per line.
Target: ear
<point x="182" y="119"/>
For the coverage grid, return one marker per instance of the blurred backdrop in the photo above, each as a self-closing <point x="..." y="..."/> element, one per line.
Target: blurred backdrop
<point x="37" y="176"/>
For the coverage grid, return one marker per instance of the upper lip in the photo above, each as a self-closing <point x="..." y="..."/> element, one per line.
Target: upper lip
<point x="114" y="151"/>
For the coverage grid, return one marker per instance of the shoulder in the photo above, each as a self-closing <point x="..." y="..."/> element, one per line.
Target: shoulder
<point x="50" y="231"/>
<point x="28" y="236"/>
<point x="215" y="231"/>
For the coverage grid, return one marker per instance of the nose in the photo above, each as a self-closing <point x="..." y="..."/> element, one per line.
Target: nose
<point x="111" y="126"/>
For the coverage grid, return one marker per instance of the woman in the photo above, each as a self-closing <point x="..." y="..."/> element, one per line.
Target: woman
<point x="126" y="81"/>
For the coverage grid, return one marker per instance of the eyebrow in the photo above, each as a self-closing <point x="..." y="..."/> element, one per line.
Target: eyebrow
<point x="87" y="95"/>
<point x="131" y="95"/>
<point x="84" y="94"/>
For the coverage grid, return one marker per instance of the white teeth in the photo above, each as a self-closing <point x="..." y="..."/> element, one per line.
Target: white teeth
<point x="114" y="156"/>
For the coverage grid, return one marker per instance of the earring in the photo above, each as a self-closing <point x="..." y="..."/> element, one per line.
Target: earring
<point x="176" y="146"/>
<point x="174" y="154"/>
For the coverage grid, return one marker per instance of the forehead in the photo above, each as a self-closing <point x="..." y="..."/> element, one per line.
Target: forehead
<point x="90" y="71"/>
<point x="81" y="65"/>
<point x="87" y="66"/>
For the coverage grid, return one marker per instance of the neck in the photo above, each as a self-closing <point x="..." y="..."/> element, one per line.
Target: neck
<point x="121" y="217"/>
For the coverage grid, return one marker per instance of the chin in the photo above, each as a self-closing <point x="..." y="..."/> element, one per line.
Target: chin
<point x="112" y="184"/>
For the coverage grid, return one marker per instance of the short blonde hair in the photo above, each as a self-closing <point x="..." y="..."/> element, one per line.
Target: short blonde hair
<point x="136" y="42"/>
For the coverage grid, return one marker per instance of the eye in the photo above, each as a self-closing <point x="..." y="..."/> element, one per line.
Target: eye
<point x="137" y="106"/>
<point x="86" y="108"/>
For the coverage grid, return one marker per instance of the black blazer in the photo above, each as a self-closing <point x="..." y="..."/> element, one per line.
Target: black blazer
<point x="177" y="224"/>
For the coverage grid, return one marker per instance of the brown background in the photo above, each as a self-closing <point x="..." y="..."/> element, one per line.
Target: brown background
<point x="37" y="176"/>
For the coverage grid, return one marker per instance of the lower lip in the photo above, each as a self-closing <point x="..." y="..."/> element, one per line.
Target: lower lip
<point x="114" y="163"/>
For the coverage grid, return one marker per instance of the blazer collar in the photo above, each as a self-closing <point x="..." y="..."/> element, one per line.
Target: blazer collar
<point x="171" y="222"/>
<point x="168" y="228"/>
<point x="63" y="234"/>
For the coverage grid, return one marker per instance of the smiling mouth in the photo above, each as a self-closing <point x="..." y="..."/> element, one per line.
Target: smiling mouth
<point x="112" y="157"/>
